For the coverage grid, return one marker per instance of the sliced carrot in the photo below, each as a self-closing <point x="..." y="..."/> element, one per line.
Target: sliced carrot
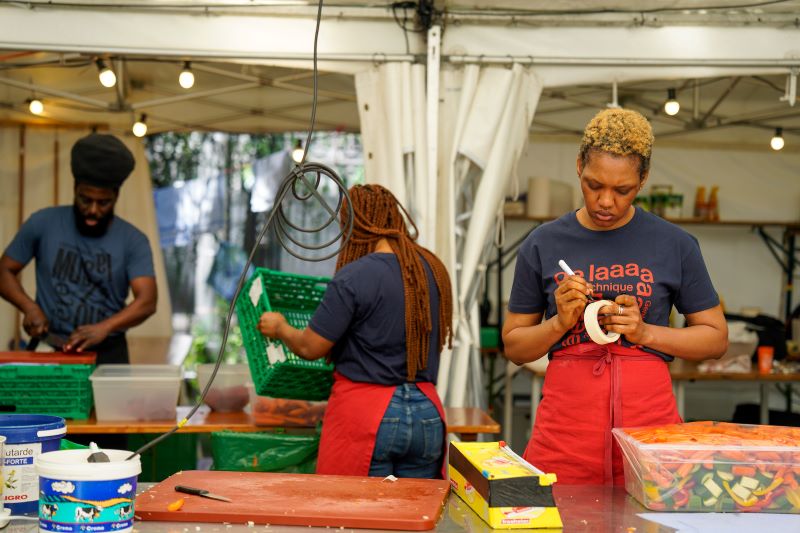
<point x="742" y="470"/>
<point x="176" y="505"/>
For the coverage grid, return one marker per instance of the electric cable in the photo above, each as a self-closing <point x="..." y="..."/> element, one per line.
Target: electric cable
<point x="302" y="182"/>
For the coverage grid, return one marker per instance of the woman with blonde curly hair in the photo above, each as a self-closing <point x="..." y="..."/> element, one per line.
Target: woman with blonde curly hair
<point x="383" y="321"/>
<point x="623" y="254"/>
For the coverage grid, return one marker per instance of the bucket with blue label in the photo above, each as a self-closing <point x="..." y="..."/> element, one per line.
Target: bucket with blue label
<point x="27" y="436"/>
<point x="76" y="496"/>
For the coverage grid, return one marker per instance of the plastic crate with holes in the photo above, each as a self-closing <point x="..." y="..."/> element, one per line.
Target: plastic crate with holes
<point x="276" y="371"/>
<point x="46" y="383"/>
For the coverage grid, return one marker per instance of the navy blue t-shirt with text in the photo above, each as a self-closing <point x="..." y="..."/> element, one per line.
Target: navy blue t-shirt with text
<point x="649" y="258"/>
<point x="80" y="280"/>
<point x="363" y="313"/>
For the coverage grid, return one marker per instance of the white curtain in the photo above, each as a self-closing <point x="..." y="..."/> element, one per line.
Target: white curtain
<point x="484" y="118"/>
<point x="48" y="181"/>
<point x="489" y="128"/>
<point x="391" y="107"/>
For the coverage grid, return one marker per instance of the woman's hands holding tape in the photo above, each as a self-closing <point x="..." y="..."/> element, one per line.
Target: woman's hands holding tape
<point x="571" y="296"/>
<point x="624" y="317"/>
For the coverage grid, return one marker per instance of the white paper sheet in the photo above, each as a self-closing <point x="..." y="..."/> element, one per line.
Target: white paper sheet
<point x="726" y="522"/>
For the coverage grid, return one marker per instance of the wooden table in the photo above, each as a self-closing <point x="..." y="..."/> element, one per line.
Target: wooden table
<point x="681" y="372"/>
<point x="468" y="422"/>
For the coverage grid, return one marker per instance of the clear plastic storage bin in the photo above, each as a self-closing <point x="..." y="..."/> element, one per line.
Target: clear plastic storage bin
<point x="228" y="392"/>
<point x="136" y="392"/>
<point x="713" y="467"/>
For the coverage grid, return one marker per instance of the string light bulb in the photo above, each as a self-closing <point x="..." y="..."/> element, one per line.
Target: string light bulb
<point x="140" y="126"/>
<point x="776" y="143"/>
<point x="297" y="152"/>
<point x="671" y="106"/>
<point x="186" y="77"/>
<point x="35" y="106"/>
<point x="106" y="75"/>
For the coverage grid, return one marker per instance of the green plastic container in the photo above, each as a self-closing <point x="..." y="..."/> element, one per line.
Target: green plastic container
<point x="264" y="452"/>
<point x="43" y="384"/>
<point x="282" y="374"/>
<point x="490" y="337"/>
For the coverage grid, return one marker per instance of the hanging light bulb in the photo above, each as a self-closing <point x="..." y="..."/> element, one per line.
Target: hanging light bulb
<point x="297" y="152"/>
<point x="186" y="77"/>
<point x="36" y="106"/>
<point x="671" y="106"/>
<point x="140" y="126"/>
<point x="776" y="143"/>
<point x="107" y="76"/>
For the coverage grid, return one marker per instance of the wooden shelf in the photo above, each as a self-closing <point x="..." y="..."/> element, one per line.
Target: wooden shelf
<point x="687" y="221"/>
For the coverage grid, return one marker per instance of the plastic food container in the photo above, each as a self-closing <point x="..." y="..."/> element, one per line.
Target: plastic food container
<point x="228" y="392"/>
<point x="136" y="392"/>
<point x="713" y="467"/>
<point x="282" y="412"/>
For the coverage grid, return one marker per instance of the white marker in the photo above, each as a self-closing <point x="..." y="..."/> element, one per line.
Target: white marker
<point x="565" y="267"/>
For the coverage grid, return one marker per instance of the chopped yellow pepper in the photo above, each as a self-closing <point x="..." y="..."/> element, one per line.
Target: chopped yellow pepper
<point x="651" y="491"/>
<point x="774" y="485"/>
<point x="744" y="503"/>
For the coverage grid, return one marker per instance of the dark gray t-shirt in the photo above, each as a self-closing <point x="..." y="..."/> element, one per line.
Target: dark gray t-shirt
<point x="80" y="280"/>
<point x="649" y="258"/>
<point x="363" y="313"/>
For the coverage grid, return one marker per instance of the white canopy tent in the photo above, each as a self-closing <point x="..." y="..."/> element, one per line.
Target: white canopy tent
<point x="445" y="139"/>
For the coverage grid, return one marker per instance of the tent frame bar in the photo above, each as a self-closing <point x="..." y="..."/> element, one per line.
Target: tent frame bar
<point x="620" y="61"/>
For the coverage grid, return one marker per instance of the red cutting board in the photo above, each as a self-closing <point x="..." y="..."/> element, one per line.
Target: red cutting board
<point x="299" y="500"/>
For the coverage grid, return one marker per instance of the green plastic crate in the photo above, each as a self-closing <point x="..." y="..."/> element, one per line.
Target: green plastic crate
<point x="295" y="296"/>
<point x="60" y="390"/>
<point x="264" y="452"/>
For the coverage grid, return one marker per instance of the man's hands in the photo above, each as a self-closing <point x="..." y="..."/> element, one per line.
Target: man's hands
<point x="86" y="336"/>
<point x="35" y="322"/>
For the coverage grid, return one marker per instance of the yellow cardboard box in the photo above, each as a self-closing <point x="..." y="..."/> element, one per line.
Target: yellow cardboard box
<point x="501" y="488"/>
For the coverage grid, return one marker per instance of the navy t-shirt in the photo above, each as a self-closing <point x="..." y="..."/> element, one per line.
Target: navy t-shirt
<point x="649" y="258"/>
<point x="363" y="313"/>
<point x="80" y="280"/>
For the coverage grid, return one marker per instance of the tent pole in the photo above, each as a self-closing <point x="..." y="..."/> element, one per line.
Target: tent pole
<point x="55" y="169"/>
<point x="620" y="61"/>
<point x="20" y="215"/>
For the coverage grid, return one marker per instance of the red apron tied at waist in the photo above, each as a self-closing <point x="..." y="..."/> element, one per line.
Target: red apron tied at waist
<point x="351" y="422"/>
<point x="590" y="389"/>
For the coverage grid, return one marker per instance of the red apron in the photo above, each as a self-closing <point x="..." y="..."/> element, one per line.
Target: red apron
<point x="351" y="424"/>
<point x="588" y="390"/>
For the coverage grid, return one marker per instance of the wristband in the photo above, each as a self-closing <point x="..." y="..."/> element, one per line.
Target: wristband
<point x="593" y="328"/>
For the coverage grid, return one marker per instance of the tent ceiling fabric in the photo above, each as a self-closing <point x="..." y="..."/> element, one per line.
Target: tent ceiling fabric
<point x="267" y="45"/>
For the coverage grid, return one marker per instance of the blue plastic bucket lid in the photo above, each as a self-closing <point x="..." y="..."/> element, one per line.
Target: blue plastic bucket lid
<point x="31" y="428"/>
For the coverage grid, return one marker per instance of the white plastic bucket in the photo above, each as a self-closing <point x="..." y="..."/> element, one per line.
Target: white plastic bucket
<point x="26" y="437"/>
<point x="76" y="496"/>
<point x="2" y="484"/>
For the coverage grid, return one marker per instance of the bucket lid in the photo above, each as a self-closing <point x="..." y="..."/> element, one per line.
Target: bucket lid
<point x="73" y="465"/>
<point x="31" y="428"/>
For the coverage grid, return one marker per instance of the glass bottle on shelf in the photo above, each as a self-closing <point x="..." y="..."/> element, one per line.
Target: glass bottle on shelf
<point x="713" y="205"/>
<point x="700" y="206"/>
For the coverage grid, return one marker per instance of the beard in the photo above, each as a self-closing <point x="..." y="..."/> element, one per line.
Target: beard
<point x="97" y="230"/>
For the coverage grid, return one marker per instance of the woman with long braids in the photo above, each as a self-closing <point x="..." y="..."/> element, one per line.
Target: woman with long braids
<point x="383" y="321"/>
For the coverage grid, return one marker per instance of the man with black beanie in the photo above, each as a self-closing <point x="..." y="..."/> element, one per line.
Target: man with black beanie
<point x="87" y="260"/>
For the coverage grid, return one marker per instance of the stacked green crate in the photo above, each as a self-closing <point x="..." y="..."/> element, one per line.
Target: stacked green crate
<point x="47" y="384"/>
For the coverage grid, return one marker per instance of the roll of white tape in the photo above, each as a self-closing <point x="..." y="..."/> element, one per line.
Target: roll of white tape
<point x="593" y="328"/>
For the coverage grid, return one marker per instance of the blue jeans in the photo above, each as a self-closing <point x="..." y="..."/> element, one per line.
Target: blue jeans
<point x="410" y="439"/>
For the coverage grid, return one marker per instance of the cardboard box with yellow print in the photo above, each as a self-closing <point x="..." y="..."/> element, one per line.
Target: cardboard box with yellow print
<point x="501" y="487"/>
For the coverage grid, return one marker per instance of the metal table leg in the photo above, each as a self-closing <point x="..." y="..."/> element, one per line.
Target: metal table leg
<point x="508" y="400"/>
<point x="679" y="389"/>
<point x="764" y="414"/>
